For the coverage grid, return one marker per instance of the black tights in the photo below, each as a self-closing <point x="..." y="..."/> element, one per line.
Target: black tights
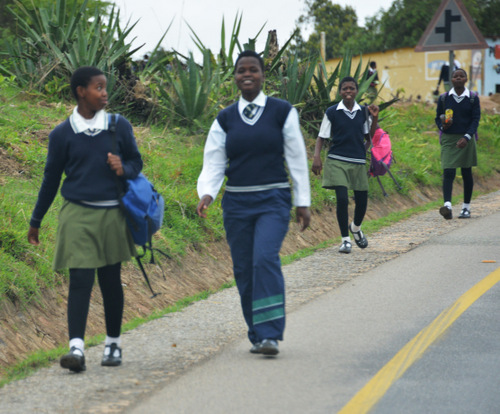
<point x="448" y="178"/>
<point x="81" y="282"/>
<point x="361" y="203"/>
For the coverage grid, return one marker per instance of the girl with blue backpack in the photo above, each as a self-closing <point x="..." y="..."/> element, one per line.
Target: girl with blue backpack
<point x="92" y="233"/>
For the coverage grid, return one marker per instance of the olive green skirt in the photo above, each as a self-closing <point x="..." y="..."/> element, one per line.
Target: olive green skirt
<point x="90" y="238"/>
<point x="453" y="157"/>
<point x="345" y="174"/>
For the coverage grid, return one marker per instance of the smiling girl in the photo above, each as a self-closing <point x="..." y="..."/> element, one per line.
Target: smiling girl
<point x="346" y="125"/>
<point x="252" y="142"/>
<point x="92" y="232"/>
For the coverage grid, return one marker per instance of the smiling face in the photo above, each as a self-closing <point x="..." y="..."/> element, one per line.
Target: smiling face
<point x="348" y="92"/>
<point x="249" y="77"/>
<point x="93" y="97"/>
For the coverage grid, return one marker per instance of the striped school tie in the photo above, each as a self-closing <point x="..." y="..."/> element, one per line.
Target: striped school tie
<point x="249" y="111"/>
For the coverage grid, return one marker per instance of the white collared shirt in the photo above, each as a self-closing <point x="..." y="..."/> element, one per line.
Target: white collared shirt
<point x="90" y="127"/>
<point x="326" y="126"/>
<point x="459" y="98"/>
<point x="215" y="158"/>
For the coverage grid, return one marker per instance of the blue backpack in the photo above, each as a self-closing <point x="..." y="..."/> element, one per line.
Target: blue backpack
<point x="143" y="208"/>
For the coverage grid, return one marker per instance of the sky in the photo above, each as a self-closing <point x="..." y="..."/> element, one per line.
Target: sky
<point x="205" y="17"/>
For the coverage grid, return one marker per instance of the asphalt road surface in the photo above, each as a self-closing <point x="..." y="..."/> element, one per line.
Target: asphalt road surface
<point x="418" y="334"/>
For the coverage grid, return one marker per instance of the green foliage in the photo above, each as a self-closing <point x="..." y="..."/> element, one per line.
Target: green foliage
<point x="59" y="38"/>
<point x="337" y="22"/>
<point x="404" y="23"/>
<point x="173" y="158"/>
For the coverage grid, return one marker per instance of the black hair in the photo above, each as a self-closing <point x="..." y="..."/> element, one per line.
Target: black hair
<point x="463" y="70"/>
<point x="250" y="53"/>
<point x="82" y="77"/>
<point x="348" y="79"/>
<point x="373" y="64"/>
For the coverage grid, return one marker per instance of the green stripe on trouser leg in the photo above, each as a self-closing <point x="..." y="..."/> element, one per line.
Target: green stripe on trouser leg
<point x="264" y="311"/>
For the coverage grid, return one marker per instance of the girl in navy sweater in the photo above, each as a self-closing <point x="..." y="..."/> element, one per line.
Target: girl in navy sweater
<point x="92" y="232"/>
<point x="249" y="142"/>
<point x="347" y="125"/>
<point x="457" y="117"/>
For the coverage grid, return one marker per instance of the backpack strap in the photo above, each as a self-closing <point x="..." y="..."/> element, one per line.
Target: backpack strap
<point x="367" y="116"/>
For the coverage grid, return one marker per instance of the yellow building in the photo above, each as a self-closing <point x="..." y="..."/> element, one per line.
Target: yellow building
<point x="414" y="75"/>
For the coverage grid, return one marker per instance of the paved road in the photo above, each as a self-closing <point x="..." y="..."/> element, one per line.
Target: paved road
<point x="418" y="334"/>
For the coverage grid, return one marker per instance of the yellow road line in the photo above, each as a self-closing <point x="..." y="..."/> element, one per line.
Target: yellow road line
<point x="375" y="389"/>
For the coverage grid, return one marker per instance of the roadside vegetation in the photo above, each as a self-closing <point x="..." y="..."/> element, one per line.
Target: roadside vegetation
<point x="171" y="100"/>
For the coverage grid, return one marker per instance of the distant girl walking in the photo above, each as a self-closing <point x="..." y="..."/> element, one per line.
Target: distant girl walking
<point x="347" y="125"/>
<point x="457" y="117"/>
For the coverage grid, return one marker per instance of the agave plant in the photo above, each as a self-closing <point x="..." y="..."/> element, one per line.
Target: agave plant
<point x="58" y="39"/>
<point x="186" y="89"/>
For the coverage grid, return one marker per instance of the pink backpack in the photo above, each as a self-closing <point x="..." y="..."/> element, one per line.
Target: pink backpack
<point x="381" y="153"/>
<point x="381" y="157"/>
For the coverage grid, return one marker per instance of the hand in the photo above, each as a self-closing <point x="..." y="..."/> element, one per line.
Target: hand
<point x="115" y="163"/>
<point x="317" y="166"/>
<point x="33" y="236"/>
<point x="462" y="143"/>
<point x="205" y="201"/>
<point x="303" y="215"/>
<point x="374" y="110"/>
<point x="447" y="123"/>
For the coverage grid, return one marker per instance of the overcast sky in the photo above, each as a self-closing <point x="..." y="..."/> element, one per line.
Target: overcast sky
<point x="205" y="17"/>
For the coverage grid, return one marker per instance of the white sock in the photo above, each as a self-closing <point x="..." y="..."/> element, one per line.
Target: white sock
<point x="354" y="227"/>
<point x="448" y="204"/>
<point x="466" y="205"/>
<point x="78" y="343"/>
<point x="347" y="239"/>
<point x="110" y="340"/>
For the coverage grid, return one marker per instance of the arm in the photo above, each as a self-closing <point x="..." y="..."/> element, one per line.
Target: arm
<point x="296" y="159"/>
<point x="374" y="111"/>
<point x="54" y="168"/>
<point x="214" y="167"/>
<point x="130" y="164"/>
<point x="476" y="116"/>
<point x="323" y="135"/>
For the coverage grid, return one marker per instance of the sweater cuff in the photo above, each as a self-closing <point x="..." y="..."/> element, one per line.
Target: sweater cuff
<point x="467" y="137"/>
<point x="35" y="223"/>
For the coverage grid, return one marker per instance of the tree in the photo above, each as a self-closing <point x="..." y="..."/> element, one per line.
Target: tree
<point x="403" y="24"/>
<point x="339" y="24"/>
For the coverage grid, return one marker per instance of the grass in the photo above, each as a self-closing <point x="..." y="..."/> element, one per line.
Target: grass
<point x="173" y="159"/>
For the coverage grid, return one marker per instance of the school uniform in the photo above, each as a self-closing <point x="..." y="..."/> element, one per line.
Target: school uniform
<point x="466" y="116"/>
<point x="92" y="232"/>
<point x="346" y="129"/>
<point x="250" y="147"/>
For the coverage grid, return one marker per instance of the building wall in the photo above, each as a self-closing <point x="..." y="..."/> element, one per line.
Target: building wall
<point x="492" y="68"/>
<point x="414" y="75"/>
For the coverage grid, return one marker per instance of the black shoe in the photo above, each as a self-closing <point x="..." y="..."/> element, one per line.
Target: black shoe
<point x="112" y="356"/>
<point x="266" y="347"/>
<point x="446" y="212"/>
<point x="359" y="238"/>
<point x="73" y="360"/>
<point x="465" y="213"/>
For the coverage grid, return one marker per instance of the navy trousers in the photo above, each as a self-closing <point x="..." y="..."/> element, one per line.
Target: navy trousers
<point x="256" y="224"/>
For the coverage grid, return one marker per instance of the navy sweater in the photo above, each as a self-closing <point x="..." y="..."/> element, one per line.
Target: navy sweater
<point x="255" y="152"/>
<point x="466" y="115"/>
<point x="348" y="138"/>
<point x="83" y="159"/>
